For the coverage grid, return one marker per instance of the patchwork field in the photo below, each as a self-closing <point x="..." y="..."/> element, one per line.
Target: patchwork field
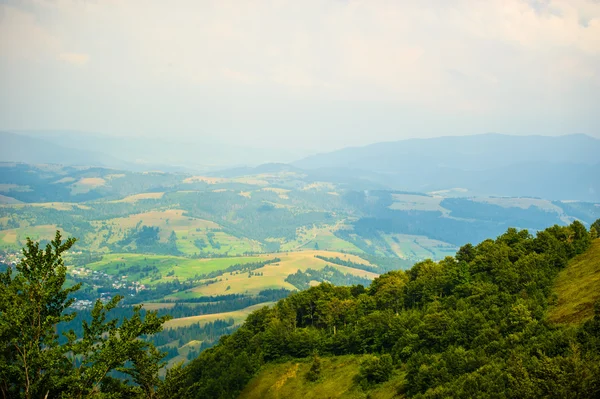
<point x="238" y="316"/>
<point x="134" y="266"/>
<point x="86" y="184"/>
<point x="142" y="196"/>
<point x="273" y="275"/>
<point x="421" y="247"/>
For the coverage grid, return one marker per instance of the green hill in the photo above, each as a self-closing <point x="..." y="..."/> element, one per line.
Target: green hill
<point x="475" y="325"/>
<point x="578" y="288"/>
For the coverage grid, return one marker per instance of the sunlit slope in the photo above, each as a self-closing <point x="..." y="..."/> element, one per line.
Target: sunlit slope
<point x="288" y="380"/>
<point x="578" y="288"/>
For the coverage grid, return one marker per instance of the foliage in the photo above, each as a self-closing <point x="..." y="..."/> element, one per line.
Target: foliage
<point x="374" y="370"/>
<point x="314" y="372"/>
<point x="473" y="325"/>
<point x="33" y="302"/>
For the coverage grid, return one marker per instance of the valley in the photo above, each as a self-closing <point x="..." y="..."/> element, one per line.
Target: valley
<point x="219" y="246"/>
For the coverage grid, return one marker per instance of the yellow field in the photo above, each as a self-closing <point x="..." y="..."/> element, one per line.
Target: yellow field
<point x="281" y="192"/>
<point x="86" y="184"/>
<point x="67" y="179"/>
<point x="142" y="196"/>
<point x="578" y="288"/>
<point x="274" y="274"/>
<point x="319" y="185"/>
<point x="238" y="316"/>
<point x="204" y="179"/>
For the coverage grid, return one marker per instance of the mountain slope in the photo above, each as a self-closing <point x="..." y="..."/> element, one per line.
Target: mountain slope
<point x="288" y="380"/>
<point x="578" y="288"/>
<point x="478" y="152"/>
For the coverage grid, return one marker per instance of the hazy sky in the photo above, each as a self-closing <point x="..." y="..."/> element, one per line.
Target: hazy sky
<point x="307" y="74"/>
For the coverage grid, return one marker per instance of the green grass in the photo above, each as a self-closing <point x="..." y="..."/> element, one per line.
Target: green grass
<point x="418" y="247"/>
<point x="324" y="239"/>
<point x="578" y="288"/>
<point x="287" y="380"/>
<point x="183" y="267"/>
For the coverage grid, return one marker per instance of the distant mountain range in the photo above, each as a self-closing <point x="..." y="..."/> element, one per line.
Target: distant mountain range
<point x="557" y="168"/>
<point x="169" y="154"/>
<point x="564" y="167"/>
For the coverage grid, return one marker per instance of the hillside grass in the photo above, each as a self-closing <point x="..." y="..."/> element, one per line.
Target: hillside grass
<point x="578" y="288"/>
<point x="288" y="380"/>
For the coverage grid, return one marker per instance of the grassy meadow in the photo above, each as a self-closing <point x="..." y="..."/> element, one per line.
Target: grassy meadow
<point x="288" y="380"/>
<point x="578" y="288"/>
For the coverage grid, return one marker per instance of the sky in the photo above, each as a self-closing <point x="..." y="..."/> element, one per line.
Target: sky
<point x="315" y="75"/>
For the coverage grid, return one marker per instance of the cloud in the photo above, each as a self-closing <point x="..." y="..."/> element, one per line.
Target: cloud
<point x="22" y="37"/>
<point x="397" y="67"/>
<point x="77" y="59"/>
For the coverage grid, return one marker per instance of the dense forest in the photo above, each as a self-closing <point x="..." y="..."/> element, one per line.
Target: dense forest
<point x="473" y="325"/>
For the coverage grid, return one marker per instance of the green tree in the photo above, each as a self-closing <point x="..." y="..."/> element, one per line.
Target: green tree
<point x="33" y="301"/>
<point x="374" y="370"/>
<point x="314" y="372"/>
<point x="596" y="225"/>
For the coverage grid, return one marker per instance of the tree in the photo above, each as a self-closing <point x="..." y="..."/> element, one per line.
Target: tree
<point x="314" y="372"/>
<point x="596" y="225"/>
<point x="33" y="301"/>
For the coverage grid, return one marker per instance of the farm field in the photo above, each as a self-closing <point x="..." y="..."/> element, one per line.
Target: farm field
<point x="272" y="276"/>
<point x="319" y="237"/>
<point x="182" y="268"/>
<point x="238" y="316"/>
<point x="411" y="246"/>
<point x="12" y="238"/>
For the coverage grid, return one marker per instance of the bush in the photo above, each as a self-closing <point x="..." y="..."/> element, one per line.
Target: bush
<point x="315" y="369"/>
<point x="374" y="370"/>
